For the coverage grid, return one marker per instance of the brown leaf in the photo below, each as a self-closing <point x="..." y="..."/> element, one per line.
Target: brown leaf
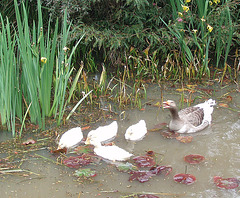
<point x="223" y="105"/>
<point x="191" y="86"/>
<point x="184" y="139"/>
<point x="169" y="134"/>
<point x="29" y="141"/>
<point x="58" y="151"/>
<point x="229" y="98"/>
<point x="158" y="127"/>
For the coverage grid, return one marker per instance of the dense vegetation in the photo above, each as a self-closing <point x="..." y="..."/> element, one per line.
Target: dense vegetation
<point x="47" y="50"/>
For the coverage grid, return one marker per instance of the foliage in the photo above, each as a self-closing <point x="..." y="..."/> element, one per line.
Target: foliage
<point x="10" y="95"/>
<point x="126" y="41"/>
<point x="27" y="65"/>
<point x="149" y="40"/>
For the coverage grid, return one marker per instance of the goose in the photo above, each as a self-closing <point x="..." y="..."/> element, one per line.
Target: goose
<point x="103" y="133"/>
<point x="136" y="132"/>
<point x="70" y="138"/>
<point x="112" y="153"/>
<point x="191" y="119"/>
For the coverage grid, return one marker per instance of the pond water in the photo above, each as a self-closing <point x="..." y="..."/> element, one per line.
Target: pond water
<point x="219" y="144"/>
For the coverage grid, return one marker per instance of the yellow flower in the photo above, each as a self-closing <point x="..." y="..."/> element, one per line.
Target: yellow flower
<point x="66" y="49"/>
<point x="180" y="14"/>
<point x="185" y="8"/>
<point x="210" y="2"/>
<point x="216" y="1"/>
<point x="194" y="31"/>
<point x="187" y="1"/>
<point x="210" y="28"/>
<point x="202" y="19"/>
<point x="43" y="60"/>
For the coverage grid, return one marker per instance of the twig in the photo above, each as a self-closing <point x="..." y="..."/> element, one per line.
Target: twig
<point x="17" y="171"/>
<point x="30" y="179"/>
<point x="23" y="122"/>
<point x="153" y="193"/>
<point x="48" y="159"/>
<point x="75" y="107"/>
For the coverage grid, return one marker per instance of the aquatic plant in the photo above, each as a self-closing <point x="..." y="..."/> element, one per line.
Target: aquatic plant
<point x="227" y="183"/>
<point x="144" y="175"/>
<point x="10" y="95"/>
<point x="194" y="158"/>
<point x="184" y="178"/>
<point x="31" y="58"/>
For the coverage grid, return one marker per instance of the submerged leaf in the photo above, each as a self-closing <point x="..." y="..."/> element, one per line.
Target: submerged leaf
<point x="228" y="183"/>
<point x="79" y="161"/>
<point x="84" y="149"/>
<point x="160" y="169"/>
<point x="145" y="175"/>
<point x="184" y="139"/>
<point x="169" y="134"/>
<point x="126" y="167"/>
<point x="193" y="158"/>
<point x="86" y="172"/>
<point x="158" y="127"/>
<point x="184" y="178"/>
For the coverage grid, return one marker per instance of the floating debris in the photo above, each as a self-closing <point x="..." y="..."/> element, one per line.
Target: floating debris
<point x="194" y="158"/>
<point x="184" y="178"/>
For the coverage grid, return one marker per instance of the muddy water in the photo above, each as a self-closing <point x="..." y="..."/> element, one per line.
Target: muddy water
<point x="219" y="144"/>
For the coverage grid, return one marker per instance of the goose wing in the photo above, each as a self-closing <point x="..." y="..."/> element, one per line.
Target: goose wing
<point x="193" y="115"/>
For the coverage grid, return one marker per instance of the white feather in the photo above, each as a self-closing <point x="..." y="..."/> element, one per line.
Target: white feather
<point x="137" y="131"/>
<point x="113" y="153"/>
<point x="103" y="133"/>
<point x="71" y="138"/>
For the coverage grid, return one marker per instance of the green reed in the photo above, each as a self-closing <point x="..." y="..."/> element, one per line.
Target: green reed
<point x="197" y="27"/>
<point x="10" y="95"/>
<point x="31" y="57"/>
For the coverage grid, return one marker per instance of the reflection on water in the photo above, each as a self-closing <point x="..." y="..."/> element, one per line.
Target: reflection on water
<point x="219" y="144"/>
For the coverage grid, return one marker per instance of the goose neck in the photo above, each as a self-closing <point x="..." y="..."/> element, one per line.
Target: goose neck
<point x="174" y="113"/>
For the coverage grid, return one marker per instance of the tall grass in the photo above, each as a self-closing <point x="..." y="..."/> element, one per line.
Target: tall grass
<point x="30" y="58"/>
<point x="194" y="26"/>
<point x="10" y="94"/>
<point x="38" y="55"/>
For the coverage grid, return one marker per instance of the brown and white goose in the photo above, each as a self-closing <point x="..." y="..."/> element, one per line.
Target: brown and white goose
<point x="191" y="119"/>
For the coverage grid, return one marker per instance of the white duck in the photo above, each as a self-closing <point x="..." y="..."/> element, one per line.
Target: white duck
<point x="113" y="153"/>
<point x="137" y="131"/>
<point x="70" y="138"/>
<point x="190" y="119"/>
<point x="103" y="133"/>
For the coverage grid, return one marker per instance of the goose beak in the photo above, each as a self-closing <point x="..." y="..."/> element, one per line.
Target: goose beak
<point x="166" y="104"/>
<point x="87" y="141"/>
